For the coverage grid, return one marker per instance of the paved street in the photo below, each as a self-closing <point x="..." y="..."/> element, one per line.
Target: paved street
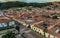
<point x="28" y="33"/>
<point x="19" y="36"/>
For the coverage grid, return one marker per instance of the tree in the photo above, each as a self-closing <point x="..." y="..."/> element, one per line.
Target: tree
<point x="17" y="28"/>
<point x="55" y="17"/>
<point x="23" y="35"/>
<point x="9" y="34"/>
<point x="7" y="5"/>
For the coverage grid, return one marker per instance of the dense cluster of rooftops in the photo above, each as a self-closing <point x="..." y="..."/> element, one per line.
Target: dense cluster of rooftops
<point x="39" y="19"/>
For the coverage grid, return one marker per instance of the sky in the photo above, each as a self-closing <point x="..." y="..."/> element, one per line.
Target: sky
<point x="39" y="1"/>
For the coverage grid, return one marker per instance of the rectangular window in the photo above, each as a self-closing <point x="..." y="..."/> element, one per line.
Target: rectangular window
<point x="41" y="31"/>
<point x="37" y="30"/>
<point x="34" y="28"/>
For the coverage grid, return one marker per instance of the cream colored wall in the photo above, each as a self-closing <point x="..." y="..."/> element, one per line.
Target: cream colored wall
<point x="40" y="31"/>
<point x="47" y="34"/>
<point x="37" y="29"/>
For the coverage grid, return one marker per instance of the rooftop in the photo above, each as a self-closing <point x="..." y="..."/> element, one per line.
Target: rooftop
<point x="35" y="17"/>
<point x="4" y="19"/>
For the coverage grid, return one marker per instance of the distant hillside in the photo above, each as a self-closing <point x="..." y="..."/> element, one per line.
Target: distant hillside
<point x="7" y="5"/>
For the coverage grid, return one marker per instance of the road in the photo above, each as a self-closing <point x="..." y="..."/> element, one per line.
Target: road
<point x="28" y="33"/>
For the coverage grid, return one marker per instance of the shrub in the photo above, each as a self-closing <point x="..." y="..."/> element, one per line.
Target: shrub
<point x="9" y="34"/>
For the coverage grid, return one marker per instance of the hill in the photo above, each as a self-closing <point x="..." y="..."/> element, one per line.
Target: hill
<point x="7" y="5"/>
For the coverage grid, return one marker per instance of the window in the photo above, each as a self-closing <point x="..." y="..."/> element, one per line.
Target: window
<point x="34" y="28"/>
<point x="37" y="30"/>
<point x="41" y="31"/>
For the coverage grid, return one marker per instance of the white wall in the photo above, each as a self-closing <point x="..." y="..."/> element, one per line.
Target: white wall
<point x="1" y="25"/>
<point x="1" y="13"/>
<point x="11" y="23"/>
<point x="51" y="36"/>
<point x="4" y="24"/>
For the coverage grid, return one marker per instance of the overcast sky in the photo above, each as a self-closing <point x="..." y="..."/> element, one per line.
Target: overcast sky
<point x="39" y="1"/>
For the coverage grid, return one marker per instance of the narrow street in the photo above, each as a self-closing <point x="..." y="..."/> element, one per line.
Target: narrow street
<point x="28" y="33"/>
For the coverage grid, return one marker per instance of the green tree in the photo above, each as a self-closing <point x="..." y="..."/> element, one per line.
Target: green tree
<point x="9" y="34"/>
<point x="54" y="17"/>
<point x="17" y="28"/>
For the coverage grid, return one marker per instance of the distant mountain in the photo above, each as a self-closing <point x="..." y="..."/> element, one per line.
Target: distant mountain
<point x="31" y="1"/>
<point x="6" y="5"/>
<point x="55" y="2"/>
